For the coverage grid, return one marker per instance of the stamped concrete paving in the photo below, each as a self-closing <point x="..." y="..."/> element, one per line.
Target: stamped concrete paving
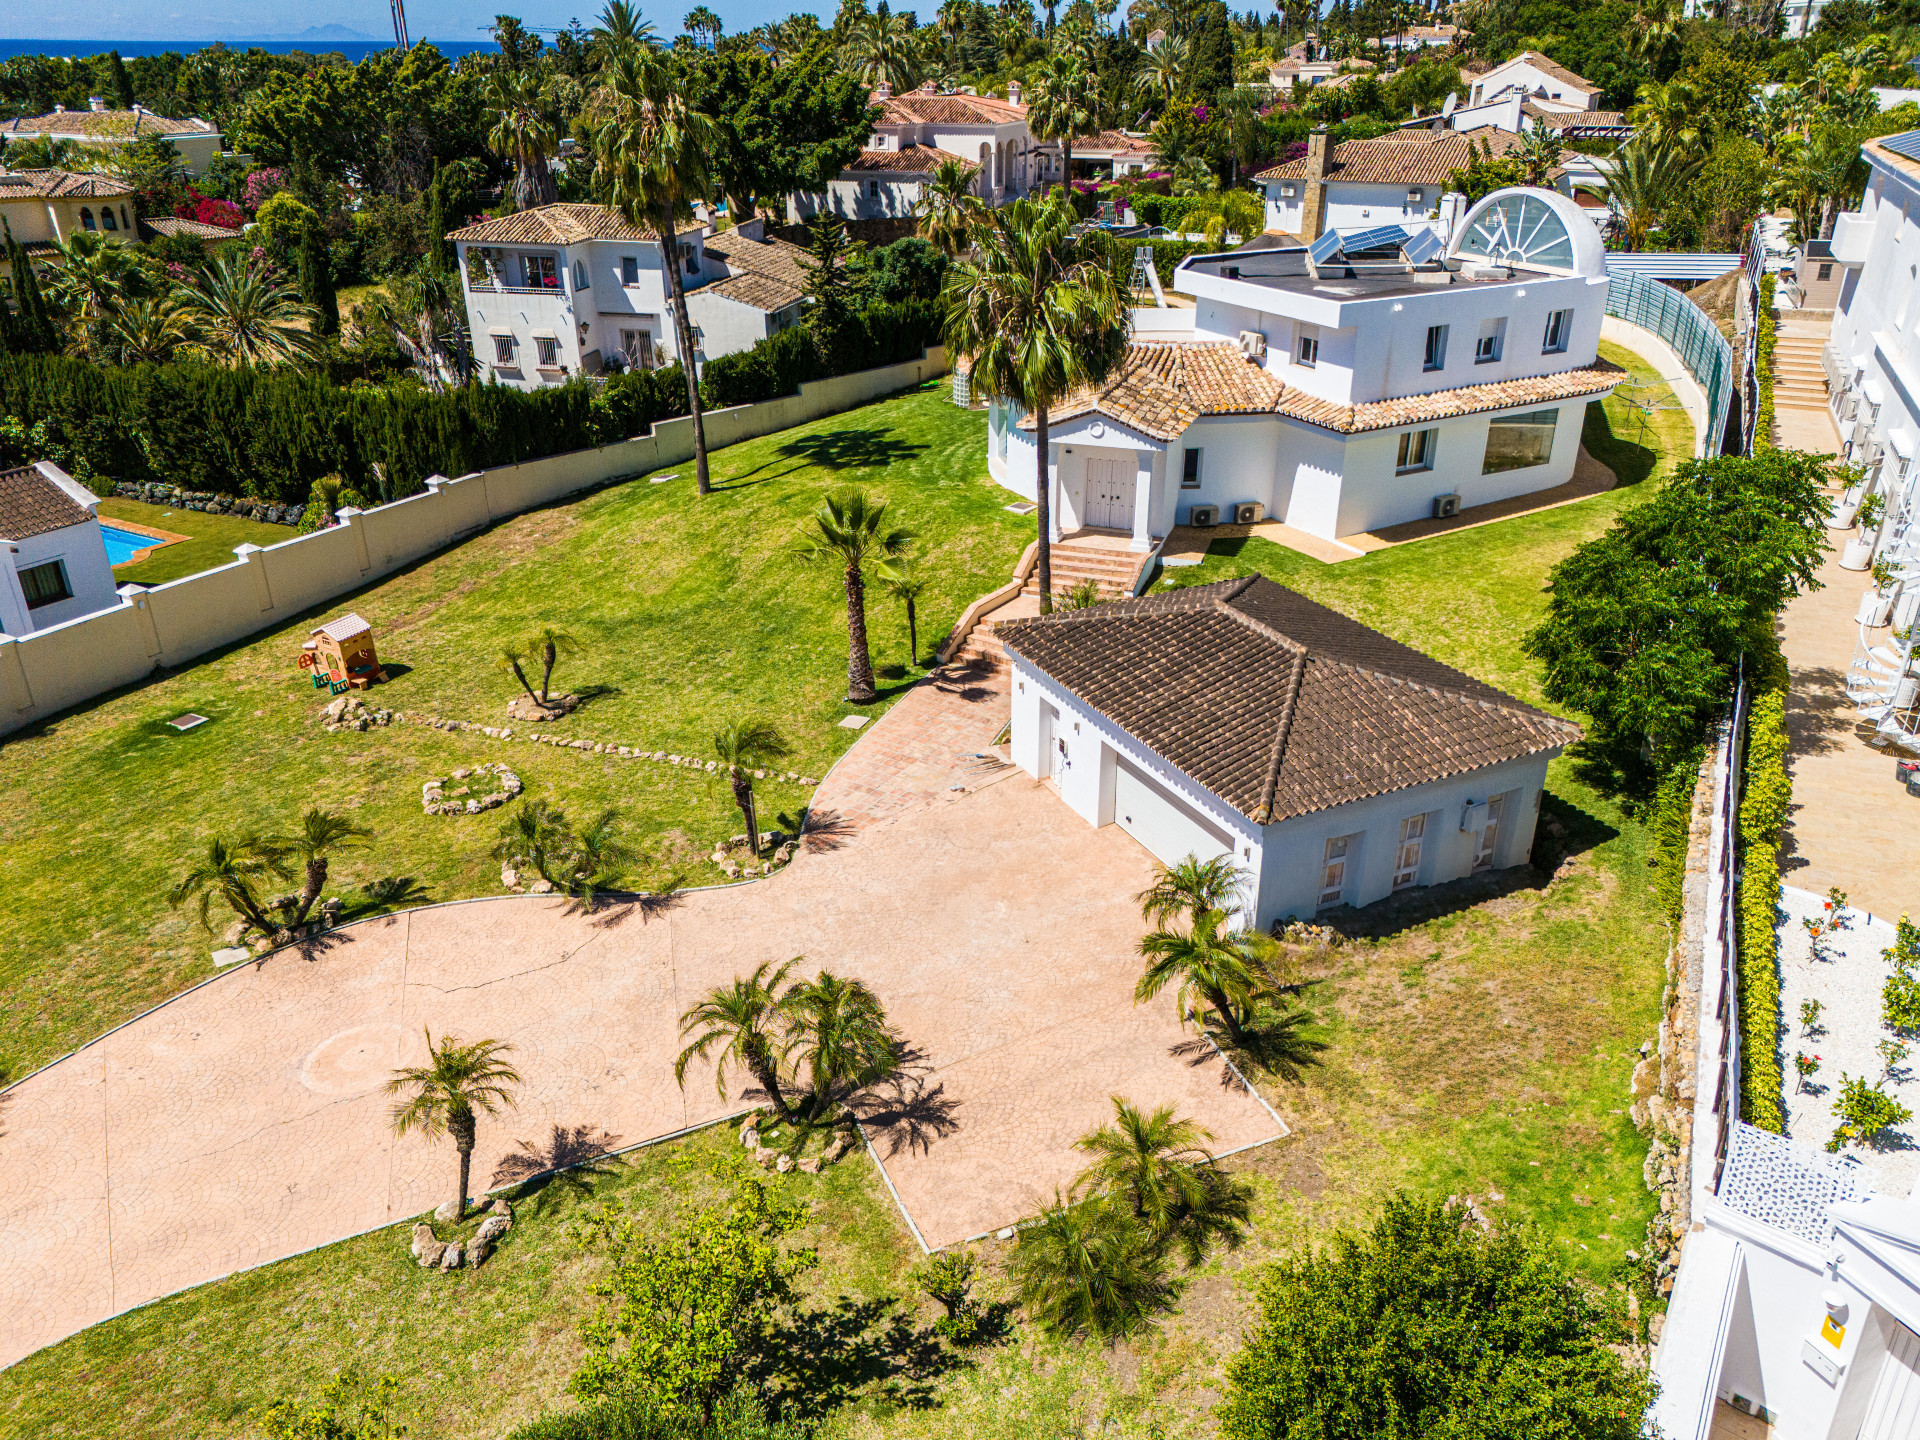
<point x="244" y="1120"/>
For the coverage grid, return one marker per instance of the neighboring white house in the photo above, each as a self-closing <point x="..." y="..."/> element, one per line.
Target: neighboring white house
<point x="1549" y="84"/>
<point x="57" y="563"/>
<point x="1334" y="765"/>
<point x="197" y="140"/>
<point x="914" y="133"/>
<point x="1111" y="152"/>
<point x="1370" y="381"/>
<point x="1420" y="37"/>
<point x="553" y="292"/>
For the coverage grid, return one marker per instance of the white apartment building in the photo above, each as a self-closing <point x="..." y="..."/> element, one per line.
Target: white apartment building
<point x="1372" y="379"/>
<point x="562" y="290"/>
<point x="57" y="567"/>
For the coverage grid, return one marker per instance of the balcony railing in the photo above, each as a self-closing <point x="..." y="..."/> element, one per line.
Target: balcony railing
<point x="478" y="288"/>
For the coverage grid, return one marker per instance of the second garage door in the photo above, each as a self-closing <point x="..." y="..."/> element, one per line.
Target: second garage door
<point x="1166" y="825"/>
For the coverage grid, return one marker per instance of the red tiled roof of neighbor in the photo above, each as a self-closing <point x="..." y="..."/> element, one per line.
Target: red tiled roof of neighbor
<point x="61" y="185"/>
<point x="925" y="107"/>
<point x="31" y="504"/>
<point x="1557" y="70"/>
<point x="773" y="257"/>
<point x="1118" y="141"/>
<point x="1405" y="157"/>
<point x="193" y="229"/>
<point x="103" y="124"/>
<point x="1576" y="119"/>
<point x="555" y="225"/>
<point x="1276" y="704"/>
<point x="907" y="160"/>
<point x="762" y="292"/>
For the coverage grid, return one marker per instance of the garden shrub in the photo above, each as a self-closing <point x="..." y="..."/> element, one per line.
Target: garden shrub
<point x="1672" y="821"/>
<point x="1763" y="368"/>
<point x="740" y="1417"/>
<point x="884" y="335"/>
<point x="1763" y="810"/>
<point x="1864" y="1111"/>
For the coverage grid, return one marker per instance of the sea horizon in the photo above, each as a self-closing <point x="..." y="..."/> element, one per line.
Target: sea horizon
<point x="353" y="50"/>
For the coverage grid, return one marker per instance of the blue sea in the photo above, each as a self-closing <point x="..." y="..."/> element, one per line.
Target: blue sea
<point x="353" y="50"/>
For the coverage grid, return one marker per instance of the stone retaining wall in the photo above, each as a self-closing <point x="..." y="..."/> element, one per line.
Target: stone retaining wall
<point x="238" y="506"/>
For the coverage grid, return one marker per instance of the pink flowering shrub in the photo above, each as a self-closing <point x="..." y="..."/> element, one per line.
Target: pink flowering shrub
<point x="207" y="211"/>
<point x="262" y="186"/>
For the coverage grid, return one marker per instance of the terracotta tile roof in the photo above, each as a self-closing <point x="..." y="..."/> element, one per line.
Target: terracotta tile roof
<point x="193" y="229"/>
<point x="1279" y="706"/>
<point x="1406" y="157"/>
<point x="923" y="107"/>
<point x="104" y="124"/>
<point x="1118" y="141"/>
<point x="908" y="159"/>
<point x="61" y="185"/>
<point x="762" y="292"/>
<point x="31" y="504"/>
<point x="1594" y="379"/>
<point x="1160" y="389"/>
<point x="775" y="258"/>
<point x="1576" y="119"/>
<point x="554" y="225"/>
<point x="1557" y="70"/>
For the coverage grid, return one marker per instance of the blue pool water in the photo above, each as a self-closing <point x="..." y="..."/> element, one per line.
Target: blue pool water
<point x="122" y="543"/>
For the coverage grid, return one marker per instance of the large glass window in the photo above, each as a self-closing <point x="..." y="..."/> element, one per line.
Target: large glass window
<point x="541" y="274"/>
<point x="1519" y="441"/>
<point x="1519" y="230"/>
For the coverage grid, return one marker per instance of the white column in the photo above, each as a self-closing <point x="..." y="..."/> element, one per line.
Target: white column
<point x="1053" y="493"/>
<point x="1143" y="504"/>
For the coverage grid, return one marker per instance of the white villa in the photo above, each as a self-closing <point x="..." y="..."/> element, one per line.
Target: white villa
<point x="1531" y="90"/>
<point x="1397" y="179"/>
<point x="1333" y="764"/>
<point x="58" y="567"/>
<point x="197" y="140"/>
<point x="1369" y="380"/>
<point x="558" y="290"/>
<point x="918" y="130"/>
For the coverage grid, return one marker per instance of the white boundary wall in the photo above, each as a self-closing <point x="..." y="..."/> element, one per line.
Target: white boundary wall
<point x="169" y="625"/>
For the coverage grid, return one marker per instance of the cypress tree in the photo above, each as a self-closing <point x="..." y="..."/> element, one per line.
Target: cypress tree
<point x="316" y="279"/>
<point x="439" y="252"/>
<point x="122" y="83"/>
<point x="33" y="328"/>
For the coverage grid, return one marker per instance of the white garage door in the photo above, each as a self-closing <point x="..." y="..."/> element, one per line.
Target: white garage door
<point x="1166" y="825"/>
<point x="1894" y="1411"/>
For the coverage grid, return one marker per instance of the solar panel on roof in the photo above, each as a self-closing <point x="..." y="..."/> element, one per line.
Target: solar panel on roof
<point x="1422" y="246"/>
<point x="1325" y="248"/>
<point x="1907" y="144"/>
<point x="1385" y="237"/>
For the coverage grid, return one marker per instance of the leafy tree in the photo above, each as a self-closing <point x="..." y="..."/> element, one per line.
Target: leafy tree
<point x="850" y="528"/>
<point x="908" y="269"/>
<point x="1037" y="312"/>
<point x="445" y="1096"/>
<point x="1427" y="1325"/>
<point x="744" y="746"/>
<point x="947" y="1277"/>
<point x="686" y="1312"/>
<point x="838" y="1028"/>
<point x="233" y="871"/>
<point x="1486" y="173"/>
<point x="1090" y="1269"/>
<point x="747" y="1022"/>
<point x="830" y="318"/>
<point x="1728" y="193"/>
<point x="1158" y="1167"/>
<point x="316" y="281"/>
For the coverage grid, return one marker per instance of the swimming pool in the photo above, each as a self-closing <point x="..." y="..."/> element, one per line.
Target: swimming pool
<point x="122" y="543"/>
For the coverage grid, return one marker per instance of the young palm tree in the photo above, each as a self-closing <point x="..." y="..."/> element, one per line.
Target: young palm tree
<point x="536" y="837"/>
<point x="1038" y="313"/>
<point x="232" y="871"/>
<point x="548" y="646"/>
<point x="1211" y="964"/>
<point x="1192" y="885"/>
<point x="745" y="1021"/>
<point x="246" y="316"/>
<point x="446" y="1093"/>
<point x="1538" y="154"/>
<point x="512" y="661"/>
<point x="1643" y="180"/>
<point x="902" y="580"/>
<point x="149" y="332"/>
<point x="1162" y="68"/>
<point x="523" y="132"/>
<point x="949" y="205"/>
<point x="1064" y="102"/>
<point x="599" y="859"/>
<point x="313" y="845"/>
<point x="1158" y="1167"/>
<point x="743" y="747"/>
<point x="651" y="163"/>
<point x="850" y="527"/>
<point x="1090" y="1269"/>
<point x="839" y="1029"/>
<point x="620" y="29"/>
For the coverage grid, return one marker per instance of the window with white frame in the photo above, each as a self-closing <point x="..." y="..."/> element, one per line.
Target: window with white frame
<point x="541" y="272"/>
<point x="503" y="349"/>
<point x="1559" y="327"/>
<point x="1306" y="347"/>
<point x="546" y="351"/>
<point x="582" y="280"/>
<point x="1341" y="852"/>
<point x="1416" y="451"/>
<point x="1493" y="337"/>
<point x="1406" y="857"/>
<point x="45" y="583"/>
<point x="1436" y="354"/>
<point x="1190" y="470"/>
<point x="629" y="269"/>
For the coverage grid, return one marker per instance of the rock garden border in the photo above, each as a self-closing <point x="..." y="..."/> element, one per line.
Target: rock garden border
<point x="435" y="799"/>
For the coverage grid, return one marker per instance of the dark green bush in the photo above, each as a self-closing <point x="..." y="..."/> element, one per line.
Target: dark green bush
<point x="888" y="334"/>
<point x="740" y="1417"/>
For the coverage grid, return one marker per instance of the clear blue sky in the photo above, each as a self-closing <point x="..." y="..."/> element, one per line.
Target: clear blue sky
<point x="434" y="19"/>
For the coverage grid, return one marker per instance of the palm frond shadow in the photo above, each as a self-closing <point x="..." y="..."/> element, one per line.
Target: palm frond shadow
<point x="904" y="1113"/>
<point x="1282" y="1041"/>
<point x="825" y="830"/>
<point x="611" y="910"/>
<point x="571" y="1158"/>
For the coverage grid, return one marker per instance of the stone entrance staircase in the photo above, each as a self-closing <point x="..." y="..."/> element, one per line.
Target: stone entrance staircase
<point x="1798" y="381"/>
<point x="1099" y="556"/>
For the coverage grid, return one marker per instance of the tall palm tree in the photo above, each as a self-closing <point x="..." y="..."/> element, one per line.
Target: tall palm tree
<point x="902" y="580"/>
<point x="321" y="833"/>
<point x="427" y="313"/>
<point x="1538" y="153"/>
<point x="850" y="527"/>
<point x="88" y="279"/>
<point x="651" y="163"/>
<point x="1064" y="102"/>
<point x="1210" y="962"/>
<point x="1090" y="1269"/>
<point x="746" y="1022"/>
<point x="621" y="28"/>
<point x="743" y="747"/>
<point x="1667" y="116"/>
<point x="1037" y="311"/>
<point x="523" y="132"/>
<point x="949" y="205"/>
<point x="1162" y="68"/>
<point x="703" y="25"/>
<point x="547" y="647"/>
<point x="880" y="48"/>
<point x="233" y="871"/>
<point x="248" y="317"/>
<point x="1643" y="180"/>
<point x="839" y="1029"/>
<point x="149" y="332"/>
<point x="1158" y="1167"/>
<point x="446" y="1094"/>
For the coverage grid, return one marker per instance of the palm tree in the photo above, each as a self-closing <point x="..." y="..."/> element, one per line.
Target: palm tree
<point x="1643" y="180"/>
<point x="902" y="580"/>
<point x="1090" y="1269"/>
<point x="1064" y="103"/>
<point x="536" y="837"/>
<point x="703" y="25"/>
<point x="512" y="661"/>
<point x="839" y="1028"/>
<point x="1667" y="116"/>
<point x="1038" y="313"/>
<point x="88" y="279"/>
<point x="1158" y="1167"/>
<point x="232" y="871"/>
<point x="549" y="645"/>
<point x="599" y="859"/>
<point x="150" y="332"/>
<point x="1538" y="153"/>
<point x="745" y="1020"/>
<point x="427" y="314"/>
<point x="621" y="28"/>
<point x="1190" y="886"/>
<point x="456" y="1082"/>
<point x="1210" y="962"/>
<point x="321" y="833"/>
<point x="949" y="205"/>
<point x="1162" y="67"/>
<point x="743" y="747"/>
<point x="850" y="527"/>
<point x="879" y="48"/>
<point x="248" y="317"/>
<point x="651" y="164"/>
<point x="524" y="133"/>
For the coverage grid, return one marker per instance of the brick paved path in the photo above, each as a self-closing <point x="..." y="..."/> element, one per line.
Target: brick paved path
<point x="244" y="1120"/>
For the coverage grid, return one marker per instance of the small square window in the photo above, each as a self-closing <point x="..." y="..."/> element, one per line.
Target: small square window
<point x="503" y="349"/>
<point x="45" y="584"/>
<point x="1436" y="353"/>
<point x="1190" y="470"/>
<point x="1416" y="451"/>
<point x="1306" y="350"/>
<point x="629" y="269"/>
<point x="547" y="351"/>
<point x="1487" y="348"/>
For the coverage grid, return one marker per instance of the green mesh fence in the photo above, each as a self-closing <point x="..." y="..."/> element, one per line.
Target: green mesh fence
<point x="1687" y="330"/>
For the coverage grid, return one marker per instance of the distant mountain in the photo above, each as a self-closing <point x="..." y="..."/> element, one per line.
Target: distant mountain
<point x="315" y="33"/>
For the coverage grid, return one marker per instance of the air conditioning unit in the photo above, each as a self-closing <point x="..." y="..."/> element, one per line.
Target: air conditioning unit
<point x="1201" y="516"/>
<point x="1248" y="512"/>
<point x="1473" y="816"/>
<point x="1445" y="507"/>
<point x="1253" y="344"/>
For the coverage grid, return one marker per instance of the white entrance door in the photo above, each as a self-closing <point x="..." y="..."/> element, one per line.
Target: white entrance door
<point x="1166" y="826"/>
<point x="1490" y="834"/>
<point x="1335" y="870"/>
<point x="1050" y="742"/>
<point x="1894" y="1411"/>
<point x="1110" y="493"/>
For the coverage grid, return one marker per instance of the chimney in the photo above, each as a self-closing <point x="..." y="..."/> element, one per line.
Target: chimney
<point x="883" y="91"/>
<point x="1013" y="92"/>
<point x="96" y="102"/>
<point x="1313" y="211"/>
<point x="59" y="109"/>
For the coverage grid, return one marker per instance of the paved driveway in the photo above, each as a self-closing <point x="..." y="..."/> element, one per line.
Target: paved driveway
<point x="243" y="1121"/>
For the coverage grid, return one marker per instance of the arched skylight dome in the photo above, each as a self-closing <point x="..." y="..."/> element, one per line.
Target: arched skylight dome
<point x="1531" y="229"/>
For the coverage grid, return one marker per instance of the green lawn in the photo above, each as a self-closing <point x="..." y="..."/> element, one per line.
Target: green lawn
<point x="688" y="612"/>
<point x="1485" y="1052"/>
<point x="210" y="541"/>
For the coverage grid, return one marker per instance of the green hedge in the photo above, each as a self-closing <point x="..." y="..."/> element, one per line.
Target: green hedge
<point x="1672" y="823"/>
<point x="1763" y="810"/>
<point x="888" y="334"/>
<point x="1763" y="368"/>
